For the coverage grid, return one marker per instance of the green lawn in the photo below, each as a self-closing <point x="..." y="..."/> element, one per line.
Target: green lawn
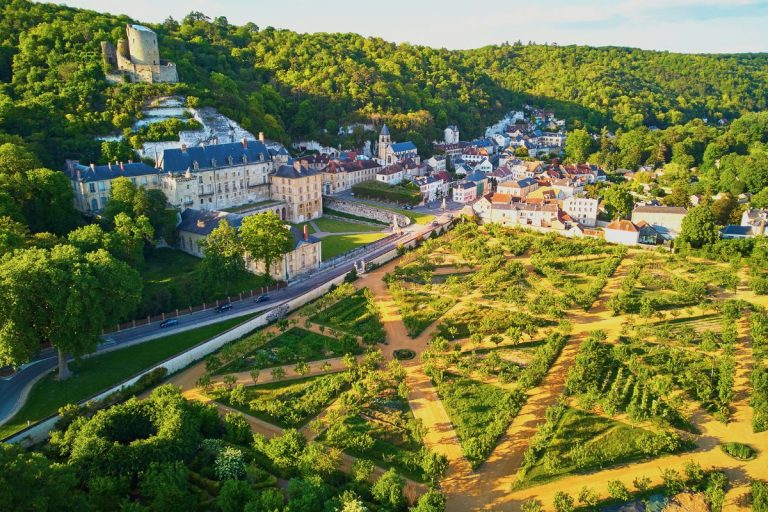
<point x="290" y="347"/>
<point x="289" y="404"/>
<point x="419" y="309"/>
<point x="334" y="245"/>
<point x="340" y="226"/>
<point x="172" y="279"/>
<point x="97" y="373"/>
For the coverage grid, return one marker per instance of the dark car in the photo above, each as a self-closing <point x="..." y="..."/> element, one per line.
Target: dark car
<point x="407" y="207"/>
<point x="223" y="307"/>
<point x="261" y="298"/>
<point x="169" y="322"/>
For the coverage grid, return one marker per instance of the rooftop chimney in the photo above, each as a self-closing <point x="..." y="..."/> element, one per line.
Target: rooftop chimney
<point x="93" y="166"/>
<point x="244" y="141"/>
<point x="109" y="164"/>
<point x="306" y="232"/>
<point x="297" y="165"/>
<point x="215" y="140"/>
<point x="200" y="223"/>
<point x="261" y="137"/>
<point x="122" y="167"/>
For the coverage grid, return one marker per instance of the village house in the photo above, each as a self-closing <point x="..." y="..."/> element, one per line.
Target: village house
<point x="518" y="188"/>
<point x="436" y="162"/>
<point x="485" y="166"/>
<point x="667" y="220"/>
<point x="391" y="175"/>
<point x="304" y="256"/>
<point x="582" y="209"/>
<point x="464" y="192"/>
<point x="339" y="176"/>
<point x="431" y="188"/>
<point x="622" y="232"/>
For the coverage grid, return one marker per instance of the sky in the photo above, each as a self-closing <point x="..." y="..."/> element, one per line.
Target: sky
<point x="691" y="26"/>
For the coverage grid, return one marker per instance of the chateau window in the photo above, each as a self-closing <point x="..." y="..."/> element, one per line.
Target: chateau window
<point x="230" y="160"/>
<point x="196" y="165"/>
<point x="101" y="186"/>
<point x="245" y="159"/>
<point x="213" y="162"/>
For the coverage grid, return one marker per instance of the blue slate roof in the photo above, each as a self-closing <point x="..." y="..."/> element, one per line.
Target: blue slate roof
<point x="400" y="147"/>
<point x="733" y="230"/>
<point x="526" y="182"/>
<point x="485" y="142"/>
<point x="202" y="222"/>
<point x="476" y="176"/>
<point x="108" y="172"/>
<point x="289" y="171"/>
<point x="384" y="130"/>
<point x="178" y="160"/>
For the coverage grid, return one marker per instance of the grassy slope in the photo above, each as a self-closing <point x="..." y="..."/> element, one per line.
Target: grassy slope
<point x="97" y="373"/>
<point x="340" y="226"/>
<point x="333" y="245"/>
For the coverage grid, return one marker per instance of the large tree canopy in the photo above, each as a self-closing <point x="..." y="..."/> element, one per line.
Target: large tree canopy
<point x="63" y="297"/>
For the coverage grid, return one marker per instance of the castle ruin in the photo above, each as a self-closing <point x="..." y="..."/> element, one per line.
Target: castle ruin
<point x="137" y="57"/>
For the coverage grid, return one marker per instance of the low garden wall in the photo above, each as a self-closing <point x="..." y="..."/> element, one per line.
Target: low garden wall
<point x="364" y="210"/>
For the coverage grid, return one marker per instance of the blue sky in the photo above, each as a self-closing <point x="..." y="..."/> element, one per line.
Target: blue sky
<point x="714" y="26"/>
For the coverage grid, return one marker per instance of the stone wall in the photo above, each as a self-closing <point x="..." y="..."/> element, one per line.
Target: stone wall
<point x="364" y="210"/>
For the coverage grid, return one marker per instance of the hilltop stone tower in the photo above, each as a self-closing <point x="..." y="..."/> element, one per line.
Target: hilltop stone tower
<point x="137" y="57"/>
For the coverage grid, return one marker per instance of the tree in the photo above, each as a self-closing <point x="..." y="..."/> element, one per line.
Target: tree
<point x="618" y="490"/>
<point x="723" y="209"/>
<point x="563" y="502"/>
<point x="388" y="489"/>
<point x="21" y="474"/>
<point x="166" y="487"/>
<point x="265" y="238"/>
<point x="222" y="255"/>
<point x="130" y="236"/>
<point x="234" y="495"/>
<point x="431" y="501"/>
<point x="13" y="234"/>
<point x="617" y="201"/>
<point x="699" y="227"/>
<point x="678" y="197"/>
<point x="63" y="297"/>
<point x="760" y="200"/>
<point x="578" y="145"/>
<point x="51" y="203"/>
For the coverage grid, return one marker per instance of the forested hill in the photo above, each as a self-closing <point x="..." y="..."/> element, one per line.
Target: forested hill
<point x="52" y="91"/>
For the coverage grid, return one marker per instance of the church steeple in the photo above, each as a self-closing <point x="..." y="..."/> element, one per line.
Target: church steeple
<point x="385" y="141"/>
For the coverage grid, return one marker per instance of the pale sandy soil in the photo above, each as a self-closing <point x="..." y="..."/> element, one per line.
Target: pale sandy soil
<point x="489" y="487"/>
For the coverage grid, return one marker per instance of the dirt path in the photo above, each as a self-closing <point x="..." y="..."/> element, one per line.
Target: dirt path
<point x="489" y="488"/>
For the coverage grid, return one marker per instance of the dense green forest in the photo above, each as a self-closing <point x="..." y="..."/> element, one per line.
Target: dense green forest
<point x="289" y="85"/>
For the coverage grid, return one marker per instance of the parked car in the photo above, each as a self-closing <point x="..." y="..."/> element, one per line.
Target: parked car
<point x="435" y="223"/>
<point x="261" y="298"/>
<point x="169" y="322"/>
<point x="223" y="307"/>
<point x="407" y="207"/>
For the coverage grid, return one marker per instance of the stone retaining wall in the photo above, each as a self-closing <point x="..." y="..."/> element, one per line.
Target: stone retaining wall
<point x="364" y="210"/>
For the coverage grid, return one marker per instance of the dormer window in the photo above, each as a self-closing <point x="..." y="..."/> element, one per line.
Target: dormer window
<point x="230" y="160"/>
<point x="195" y="165"/>
<point x="245" y="159"/>
<point x="213" y="162"/>
<point x="261" y="157"/>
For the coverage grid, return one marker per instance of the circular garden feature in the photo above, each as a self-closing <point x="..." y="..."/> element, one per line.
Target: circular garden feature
<point x="404" y="354"/>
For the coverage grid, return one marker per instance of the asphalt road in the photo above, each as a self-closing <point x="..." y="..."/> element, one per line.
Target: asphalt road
<point x="11" y="388"/>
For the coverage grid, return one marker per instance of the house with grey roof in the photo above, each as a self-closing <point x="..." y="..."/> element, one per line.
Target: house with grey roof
<point x="92" y="183"/>
<point x="305" y="254"/>
<point x="216" y="176"/>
